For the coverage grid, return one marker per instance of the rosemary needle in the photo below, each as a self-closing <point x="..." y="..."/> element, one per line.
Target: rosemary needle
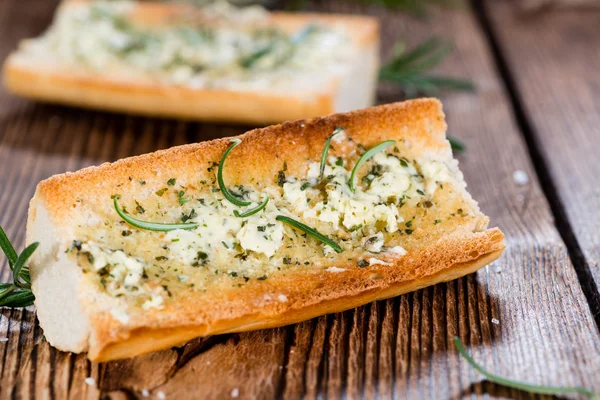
<point x="151" y="226"/>
<point x="526" y="387"/>
<point x="337" y="130"/>
<point x="234" y="143"/>
<point x="365" y="157"/>
<point x="310" y="231"/>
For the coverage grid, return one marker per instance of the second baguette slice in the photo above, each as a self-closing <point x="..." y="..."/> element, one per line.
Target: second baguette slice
<point x="39" y="71"/>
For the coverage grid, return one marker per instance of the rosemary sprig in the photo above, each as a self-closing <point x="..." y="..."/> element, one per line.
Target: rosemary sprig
<point x="365" y="157"/>
<point x="18" y="292"/>
<point x="310" y="231"/>
<point x="326" y="150"/>
<point x="526" y="387"/>
<point x="234" y="143"/>
<point x="410" y="69"/>
<point x="151" y="226"/>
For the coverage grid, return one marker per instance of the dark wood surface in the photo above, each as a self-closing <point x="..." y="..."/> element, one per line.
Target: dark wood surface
<point x="535" y="108"/>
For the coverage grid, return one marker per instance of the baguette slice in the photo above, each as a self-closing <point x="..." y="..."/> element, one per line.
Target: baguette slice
<point x="440" y="234"/>
<point x="34" y="71"/>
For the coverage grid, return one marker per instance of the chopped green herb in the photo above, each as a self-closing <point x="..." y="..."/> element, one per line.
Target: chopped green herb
<point x="183" y="200"/>
<point x="409" y="231"/>
<point x="171" y="182"/>
<point x="262" y="278"/>
<point x="422" y="193"/>
<point x="281" y="178"/>
<point x="363" y="263"/>
<point x="161" y="192"/>
<point x="187" y="217"/>
<point x="408" y="224"/>
<point x="356" y="227"/>
<point x="261" y="228"/>
<point x="305" y="186"/>
<point x="437" y="221"/>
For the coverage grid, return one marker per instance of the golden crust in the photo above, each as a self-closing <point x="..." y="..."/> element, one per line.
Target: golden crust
<point x="146" y="97"/>
<point x="432" y="259"/>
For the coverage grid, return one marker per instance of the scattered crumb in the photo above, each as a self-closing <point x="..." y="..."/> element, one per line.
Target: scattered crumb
<point x="161" y="395"/>
<point x="282" y="298"/>
<point x="145" y="393"/>
<point x="495" y="321"/>
<point x="498" y="269"/>
<point x="90" y="381"/>
<point x="335" y="269"/>
<point x="235" y="392"/>
<point x="520" y="177"/>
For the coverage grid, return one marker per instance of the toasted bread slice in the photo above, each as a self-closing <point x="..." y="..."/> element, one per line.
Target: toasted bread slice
<point x="116" y="291"/>
<point x="324" y="77"/>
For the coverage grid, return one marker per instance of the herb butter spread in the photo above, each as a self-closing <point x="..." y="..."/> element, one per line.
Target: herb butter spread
<point x="308" y="223"/>
<point x="216" y="46"/>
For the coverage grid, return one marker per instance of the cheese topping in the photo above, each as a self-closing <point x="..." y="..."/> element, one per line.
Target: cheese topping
<point x="222" y="247"/>
<point x="215" y="46"/>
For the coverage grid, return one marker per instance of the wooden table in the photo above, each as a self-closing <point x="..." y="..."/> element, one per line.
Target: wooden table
<point x="533" y="315"/>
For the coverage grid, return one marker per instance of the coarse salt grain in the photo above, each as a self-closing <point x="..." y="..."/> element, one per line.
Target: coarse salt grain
<point x="495" y="321"/>
<point x="90" y="381"/>
<point x="520" y="177"/>
<point x="145" y="393"/>
<point x="3" y="339"/>
<point x="235" y="392"/>
<point x="161" y="395"/>
<point x="335" y="269"/>
<point x="282" y="298"/>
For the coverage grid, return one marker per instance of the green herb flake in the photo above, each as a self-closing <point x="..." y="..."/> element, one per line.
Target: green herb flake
<point x="363" y="263"/>
<point x="281" y="178"/>
<point x="160" y="192"/>
<point x="171" y="182"/>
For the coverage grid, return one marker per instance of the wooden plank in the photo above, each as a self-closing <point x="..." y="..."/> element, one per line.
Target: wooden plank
<point x="400" y="347"/>
<point x="558" y="85"/>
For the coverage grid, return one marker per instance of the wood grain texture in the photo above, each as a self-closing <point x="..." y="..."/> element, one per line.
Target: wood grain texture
<point x="401" y="347"/>
<point x="558" y="85"/>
